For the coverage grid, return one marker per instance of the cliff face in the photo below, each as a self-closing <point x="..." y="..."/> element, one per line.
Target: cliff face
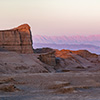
<point x="18" y="39"/>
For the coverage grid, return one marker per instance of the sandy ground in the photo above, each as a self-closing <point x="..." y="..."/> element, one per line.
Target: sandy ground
<point x="12" y="62"/>
<point x="79" y="85"/>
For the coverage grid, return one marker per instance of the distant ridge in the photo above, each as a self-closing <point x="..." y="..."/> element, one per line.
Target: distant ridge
<point x="91" y="40"/>
<point x="91" y="43"/>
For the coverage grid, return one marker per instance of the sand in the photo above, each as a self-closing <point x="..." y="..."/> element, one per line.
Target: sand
<point x="79" y="85"/>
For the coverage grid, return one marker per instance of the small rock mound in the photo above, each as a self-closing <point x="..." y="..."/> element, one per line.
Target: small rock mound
<point x="48" y="58"/>
<point x="8" y="80"/>
<point x="9" y="88"/>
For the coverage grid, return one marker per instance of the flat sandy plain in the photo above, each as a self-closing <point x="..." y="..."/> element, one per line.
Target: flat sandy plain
<point x="71" y="85"/>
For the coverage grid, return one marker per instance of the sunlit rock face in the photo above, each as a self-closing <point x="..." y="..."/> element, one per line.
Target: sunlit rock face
<point x="17" y="39"/>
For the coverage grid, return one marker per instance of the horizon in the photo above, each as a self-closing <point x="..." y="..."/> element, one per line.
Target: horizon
<point x="55" y="17"/>
<point x="80" y="35"/>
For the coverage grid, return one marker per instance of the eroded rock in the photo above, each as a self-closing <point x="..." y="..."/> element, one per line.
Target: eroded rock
<point x="48" y="58"/>
<point x="18" y="39"/>
<point x="9" y="88"/>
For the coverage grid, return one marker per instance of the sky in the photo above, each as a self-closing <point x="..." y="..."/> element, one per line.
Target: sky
<point x="52" y="17"/>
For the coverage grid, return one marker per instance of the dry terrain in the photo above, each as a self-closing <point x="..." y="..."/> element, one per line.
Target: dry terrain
<point x="50" y="86"/>
<point x="46" y="74"/>
<point x="25" y="77"/>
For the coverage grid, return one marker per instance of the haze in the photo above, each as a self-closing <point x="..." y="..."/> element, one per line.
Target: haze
<point x="52" y="17"/>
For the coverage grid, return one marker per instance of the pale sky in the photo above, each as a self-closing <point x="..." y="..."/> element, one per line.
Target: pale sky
<point x="52" y="17"/>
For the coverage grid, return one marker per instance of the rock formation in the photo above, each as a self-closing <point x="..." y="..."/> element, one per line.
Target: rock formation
<point x="68" y="53"/>
<point x="48" y="58"/>
<point x="67" y="60"/>
<point x="76" y="60"/>
<point x="17" y="39"/>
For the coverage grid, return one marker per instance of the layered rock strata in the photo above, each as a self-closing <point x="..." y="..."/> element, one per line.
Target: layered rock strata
<point x="48" y="58"/>
<point x="67" y="60"/>
<point x="18" y="39"/>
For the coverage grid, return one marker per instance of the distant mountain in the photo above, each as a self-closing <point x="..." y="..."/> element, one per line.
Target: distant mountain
<point x="91" y="43"/>
<point x="91" y="40"/>
<point x="91" y="48"/>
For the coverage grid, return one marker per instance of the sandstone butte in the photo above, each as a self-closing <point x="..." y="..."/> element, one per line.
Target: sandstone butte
<point x="17" y="39"/>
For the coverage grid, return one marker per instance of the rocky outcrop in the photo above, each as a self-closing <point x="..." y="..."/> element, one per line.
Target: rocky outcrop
<point x="18" y="39"/>
<point x="76" y="60"/>
<point x="48" y="58"/>
<point x="67" y="60"/>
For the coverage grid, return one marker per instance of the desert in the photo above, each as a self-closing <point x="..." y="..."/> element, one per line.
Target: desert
<point x="45" y="73"/>
<point x="50" y="86"/>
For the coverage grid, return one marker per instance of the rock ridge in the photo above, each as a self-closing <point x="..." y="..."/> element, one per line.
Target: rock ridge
<point x="17" y="39"/>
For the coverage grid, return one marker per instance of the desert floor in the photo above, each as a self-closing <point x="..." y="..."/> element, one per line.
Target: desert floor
<point x="79" y="85"/>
